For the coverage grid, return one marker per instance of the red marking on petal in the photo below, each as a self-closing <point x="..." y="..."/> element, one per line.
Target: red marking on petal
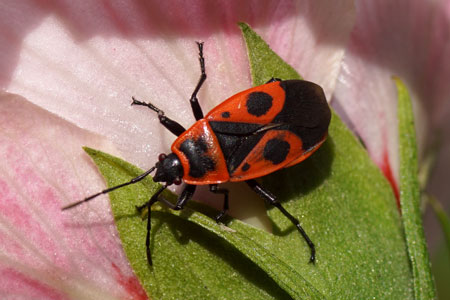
<point x="130" y="284"/>
<point x="386" y="169"/>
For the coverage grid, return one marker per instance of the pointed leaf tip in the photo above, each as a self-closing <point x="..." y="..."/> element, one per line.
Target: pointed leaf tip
<point x="264" y="63"/>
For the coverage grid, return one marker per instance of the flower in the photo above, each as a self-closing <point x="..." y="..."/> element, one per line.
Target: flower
<point x="69" y="71"/>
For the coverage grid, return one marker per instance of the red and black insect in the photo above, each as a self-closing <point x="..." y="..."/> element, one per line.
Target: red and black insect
<point x="251" y="134"/>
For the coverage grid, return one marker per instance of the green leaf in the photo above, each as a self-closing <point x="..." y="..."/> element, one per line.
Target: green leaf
<point x="341" y="198"/>
<point x="410" y="198"/>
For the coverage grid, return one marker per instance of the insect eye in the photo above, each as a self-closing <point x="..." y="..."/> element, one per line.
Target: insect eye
<point x="177" y="181"/>
<point x="162" y="157"/>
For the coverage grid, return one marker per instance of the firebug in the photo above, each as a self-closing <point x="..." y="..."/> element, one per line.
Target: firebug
<point x="251" y="134"/>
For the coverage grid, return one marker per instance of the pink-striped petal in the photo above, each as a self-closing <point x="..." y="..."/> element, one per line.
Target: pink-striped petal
<point x="47" y="253"/>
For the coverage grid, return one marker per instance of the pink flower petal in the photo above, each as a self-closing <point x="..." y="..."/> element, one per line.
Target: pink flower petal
<point x="409" y="39"/>
<point x="84" y="60"/>
<point x="47" y="253"/>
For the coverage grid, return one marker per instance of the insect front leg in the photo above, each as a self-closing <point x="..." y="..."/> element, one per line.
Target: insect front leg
<point x="216" y="190"/>
<point x="149" y="204"/>
<point x="170" y="124"/>
<point x="185" y="196"/>
<point x="263" y="193"/>
<point x="196" y="109"/>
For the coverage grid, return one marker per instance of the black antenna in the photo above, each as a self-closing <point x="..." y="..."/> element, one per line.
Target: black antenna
<point x="132" y="181"/>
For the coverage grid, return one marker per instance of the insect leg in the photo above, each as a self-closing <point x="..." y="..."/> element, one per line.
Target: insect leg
<point x="185" y="196"/>
<point x="273" y="201"/>
<point x="196" y="109"/>
<point x="149" y="204"/>
<point x="214" y="189"/>
<point x="170" y="124"/>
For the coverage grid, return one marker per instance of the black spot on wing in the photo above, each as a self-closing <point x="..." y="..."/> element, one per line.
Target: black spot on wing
<point x="276" y="150"/>
<point x="226" y="114"/>
<point x="199" y="162"/>
<point x="258" y="103"/>
<point x="245" y="167"/>
<point x="305" y="112"/>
